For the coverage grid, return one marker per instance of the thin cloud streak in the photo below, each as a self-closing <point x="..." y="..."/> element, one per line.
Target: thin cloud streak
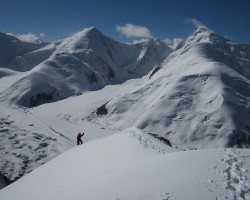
<point x="131" y="30"/>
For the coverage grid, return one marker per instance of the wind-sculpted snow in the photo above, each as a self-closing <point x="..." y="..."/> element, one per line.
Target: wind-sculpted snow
<point x="192" y="99"/>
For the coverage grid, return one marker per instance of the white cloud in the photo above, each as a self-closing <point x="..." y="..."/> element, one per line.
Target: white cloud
<point x="131" y="30"/>
<point x="140" y="40"/>
<point x="29" y="37"/>
<point x="167" y="41"/>
<point x="196" y="23"/>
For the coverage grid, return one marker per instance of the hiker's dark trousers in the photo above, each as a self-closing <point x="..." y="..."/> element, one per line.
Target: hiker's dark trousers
<point x="79" y="142"/>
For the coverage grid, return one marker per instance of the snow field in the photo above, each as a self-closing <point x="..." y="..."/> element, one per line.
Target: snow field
<point x="31" y="137"/>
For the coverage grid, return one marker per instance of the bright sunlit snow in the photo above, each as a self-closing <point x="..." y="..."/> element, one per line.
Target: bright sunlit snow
<point x="128" y="100"/>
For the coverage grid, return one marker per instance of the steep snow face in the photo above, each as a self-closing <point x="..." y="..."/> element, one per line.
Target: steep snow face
<point x="220" y="49"/>
<point x="193" y="100"/>
<point x="12" y="47"/>
<point x="86" y="61"/>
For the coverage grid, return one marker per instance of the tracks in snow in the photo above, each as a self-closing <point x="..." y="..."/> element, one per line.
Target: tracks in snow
<point x="237" y="182"/>
<point x="48" y="126"/>
<point x="149" y="141"/>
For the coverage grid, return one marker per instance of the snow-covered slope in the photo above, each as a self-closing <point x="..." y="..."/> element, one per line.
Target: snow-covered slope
<point x="31" y="137"/>
<point x="198" y="98"/>
<point x="133" y="165"/>
<point x="86" y="61"/>
<point x="11" y="47"/>
<point x="6" y="72"/>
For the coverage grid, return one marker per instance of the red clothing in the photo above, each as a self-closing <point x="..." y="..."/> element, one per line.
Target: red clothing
<point x="79" y="140"/>
<point x="79" y="136"/>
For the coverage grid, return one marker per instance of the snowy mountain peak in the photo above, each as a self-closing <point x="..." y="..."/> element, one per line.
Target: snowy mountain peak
<point x="203" y="29"/>
<point x="194" y="96"/>
<point x="87" y="40"/>
<point x="92" y="30"/>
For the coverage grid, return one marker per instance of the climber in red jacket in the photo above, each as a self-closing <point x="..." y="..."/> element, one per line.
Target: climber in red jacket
<point x="79" y="140"/>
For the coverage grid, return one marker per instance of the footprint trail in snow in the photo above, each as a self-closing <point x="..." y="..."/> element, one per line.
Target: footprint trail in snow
<point x="236" y="174"/>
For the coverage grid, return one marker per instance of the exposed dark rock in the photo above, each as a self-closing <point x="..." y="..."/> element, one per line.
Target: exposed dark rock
<point x="156" y="69"/>
<point x="239" y="139"/>
<point x="111" y="73"/>
<point x="164" y="140"/>
<point x="101" y="111"/>
<point x="92" y="78"/>
<point x="40" y="98"/>
<point x="6" y="179"/>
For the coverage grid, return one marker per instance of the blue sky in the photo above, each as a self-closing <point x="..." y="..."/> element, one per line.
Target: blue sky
<point x="125" y="20"/>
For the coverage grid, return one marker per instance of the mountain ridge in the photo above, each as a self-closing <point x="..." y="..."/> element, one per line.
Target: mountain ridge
<point x="193" y="100"/>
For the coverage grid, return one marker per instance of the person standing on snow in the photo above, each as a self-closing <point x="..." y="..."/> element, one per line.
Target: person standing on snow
<point x="79" y="140"/>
